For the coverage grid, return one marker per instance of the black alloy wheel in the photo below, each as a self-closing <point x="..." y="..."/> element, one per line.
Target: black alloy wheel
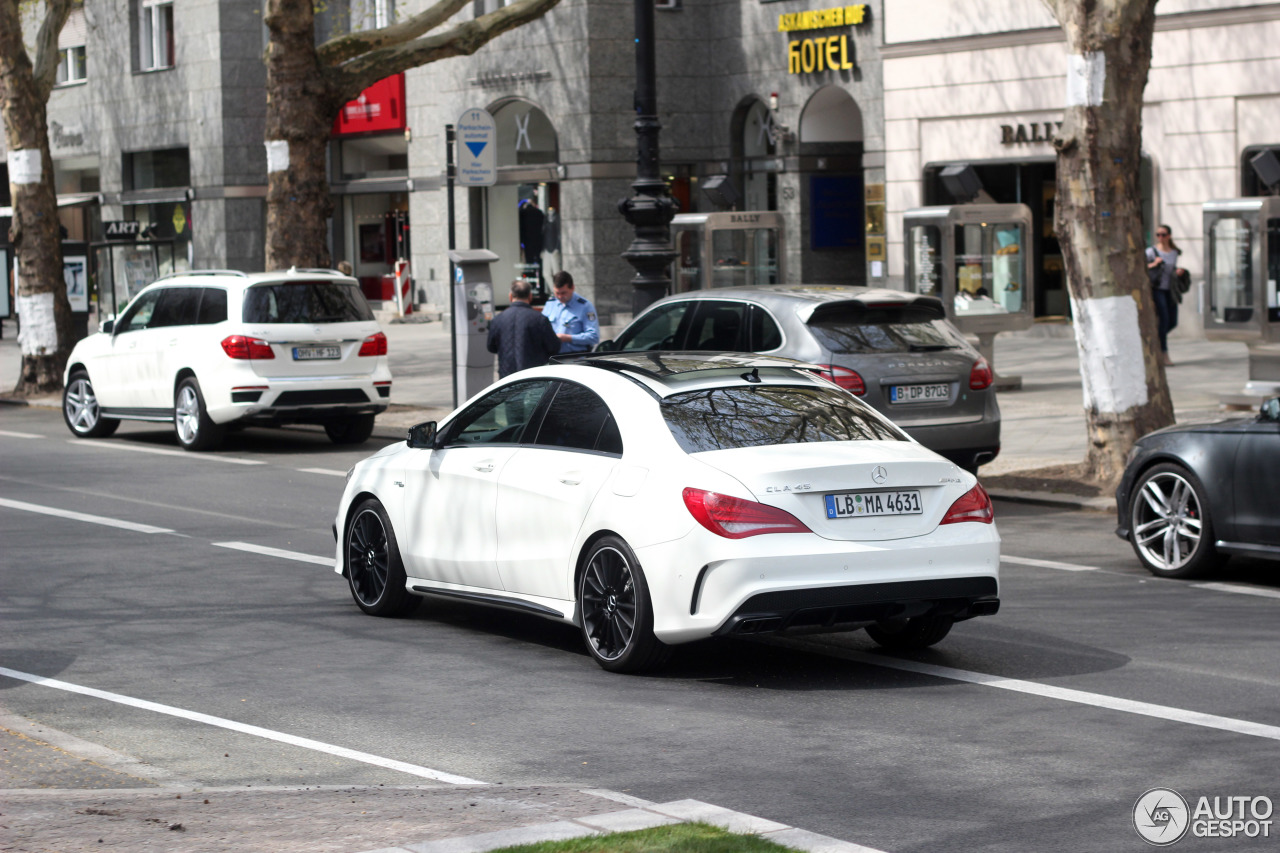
<point x="1170" y="526"/>
<point x="81" y="411"/>
<point x="375" y="571"/>
<point x="354" y="429"/>
<point x="617" y="616"/>
<point x="919" y="632"/>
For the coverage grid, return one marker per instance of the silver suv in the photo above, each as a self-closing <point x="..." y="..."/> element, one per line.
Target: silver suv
<point x="894" y="350"/>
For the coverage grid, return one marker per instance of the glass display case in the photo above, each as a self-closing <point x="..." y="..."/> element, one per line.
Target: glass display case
<point x="731" y="249"/>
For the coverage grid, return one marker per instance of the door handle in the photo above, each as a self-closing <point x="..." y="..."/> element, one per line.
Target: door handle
<point x="570" y="480"/>
<point x="173" y="342"/>
<point x="484" y="467"/>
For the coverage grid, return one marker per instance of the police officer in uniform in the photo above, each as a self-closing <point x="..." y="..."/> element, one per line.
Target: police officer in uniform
<point x="572" y="317"/>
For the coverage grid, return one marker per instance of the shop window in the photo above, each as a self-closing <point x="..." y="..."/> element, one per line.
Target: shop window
<point x="155" y="35"/>
<point x="147" y="170"/>
<point x="1254" y="176"/>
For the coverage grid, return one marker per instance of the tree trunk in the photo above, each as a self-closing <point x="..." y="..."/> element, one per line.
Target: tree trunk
<point x="300" y="112"/>
<point x="44" y="312"/>
<point x="1099" y="225"/>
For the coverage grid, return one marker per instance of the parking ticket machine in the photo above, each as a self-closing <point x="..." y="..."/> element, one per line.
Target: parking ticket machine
<point x="472" y="310"/>
<point x="729" y="249"/>
<point x="1240" y="300"/>
<point x="977" y="259"/>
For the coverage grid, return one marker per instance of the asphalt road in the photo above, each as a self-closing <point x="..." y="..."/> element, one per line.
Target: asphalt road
<point x="1034" y="729"/>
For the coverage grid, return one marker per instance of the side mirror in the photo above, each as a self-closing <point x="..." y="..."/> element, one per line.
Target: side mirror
<point x="422" y="436"/>
<point x="1270" y="410"/>
<point x="606" y="346"/>
<point x="107" y="326"/>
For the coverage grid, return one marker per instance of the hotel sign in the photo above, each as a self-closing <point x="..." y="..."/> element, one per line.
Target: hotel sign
<point x="826" y="52"/>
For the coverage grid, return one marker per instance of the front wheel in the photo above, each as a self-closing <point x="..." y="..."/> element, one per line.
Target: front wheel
<point x="1169" y="523"/>
<point x="81" y="411"/>
<point x="353" y="430"/>
<point x="191" y="422"/>
<point x="617" y="614"/>
<point x="375" y="571"/>
<point x="919" y="632"/>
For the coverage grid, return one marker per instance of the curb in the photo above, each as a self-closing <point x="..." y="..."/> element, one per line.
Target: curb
<point x="645" y="815"/>
<point x="1053" y="499"/>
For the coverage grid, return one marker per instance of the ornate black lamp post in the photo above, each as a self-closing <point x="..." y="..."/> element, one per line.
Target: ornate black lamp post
<point x="650" y="208"/>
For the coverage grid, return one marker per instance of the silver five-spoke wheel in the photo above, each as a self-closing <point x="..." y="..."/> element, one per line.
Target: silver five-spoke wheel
<point x="1169" y="522"/>
<point x="81" y="411"/>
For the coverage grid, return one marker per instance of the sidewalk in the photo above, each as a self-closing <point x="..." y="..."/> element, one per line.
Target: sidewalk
<point x="1043" y="423"/>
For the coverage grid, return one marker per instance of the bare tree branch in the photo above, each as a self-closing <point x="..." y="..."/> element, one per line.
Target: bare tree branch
<point x="463" y="40"/>
<point x="46" y="60"/>
<point x="343" y="48"/>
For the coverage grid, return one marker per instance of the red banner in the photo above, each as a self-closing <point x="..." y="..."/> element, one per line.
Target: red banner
<point x="379" y="109"/>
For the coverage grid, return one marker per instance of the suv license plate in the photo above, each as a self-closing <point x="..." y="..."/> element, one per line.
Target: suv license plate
<point x="313" y="353"/>
<point x="938" y="393"/>
<point x="855" y="504"/>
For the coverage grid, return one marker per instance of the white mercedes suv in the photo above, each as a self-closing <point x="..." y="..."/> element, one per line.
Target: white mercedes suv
<point x="207" y="349"/>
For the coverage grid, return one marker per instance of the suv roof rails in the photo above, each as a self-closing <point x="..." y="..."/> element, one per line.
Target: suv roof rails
<point x="202" y="272"/>
<point x="661" y="364"/>
<point x="317" y="271"/>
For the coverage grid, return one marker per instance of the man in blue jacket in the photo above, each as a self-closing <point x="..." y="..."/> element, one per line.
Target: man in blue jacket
<point x="520" y="336"/>
<point x="572" y="317"/>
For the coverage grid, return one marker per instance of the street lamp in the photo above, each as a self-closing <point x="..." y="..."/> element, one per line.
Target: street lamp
<point x="650" y="208"/>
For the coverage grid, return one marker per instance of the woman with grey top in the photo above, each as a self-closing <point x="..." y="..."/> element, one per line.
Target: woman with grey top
<point x="1162" y="266"/>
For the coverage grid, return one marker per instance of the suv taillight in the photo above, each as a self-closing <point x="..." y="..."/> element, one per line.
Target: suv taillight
<point x="973" y="505"/>
<point x="735" y="518"/>
<point x="374" y="345"/>
<point x="847" y="379"/>
<point x="242" y="347"/>
<point x="980" y="376"/>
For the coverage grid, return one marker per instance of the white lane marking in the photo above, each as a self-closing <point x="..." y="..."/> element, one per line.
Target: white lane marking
<point x="7" y="434"/>
<point x="162" y="451"/>
<point x="1046" y="564"/>
<point x="329" y="471"/>
<point x="1080" y="697"/>
<point x="244" y="728"/>
<point x="81" y="516"/>
<point x="276" y="552"/>
<point x="1242" y="590"/>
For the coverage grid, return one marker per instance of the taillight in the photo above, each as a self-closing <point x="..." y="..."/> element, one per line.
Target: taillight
<point x="242" y="347"/>
<point x="980" y="376"/>
<point x="847" y="379"/>
<point x="374" y="345"/>
<point x="973" y="505"/>
<point x="735" y="518"/>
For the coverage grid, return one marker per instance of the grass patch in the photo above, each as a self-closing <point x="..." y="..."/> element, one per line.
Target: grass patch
<point x="674" y="838"/>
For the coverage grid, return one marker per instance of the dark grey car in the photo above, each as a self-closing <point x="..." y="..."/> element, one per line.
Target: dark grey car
<point x="894" y="350"/>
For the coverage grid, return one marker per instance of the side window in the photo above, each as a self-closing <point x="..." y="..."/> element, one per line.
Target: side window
<point x="659" y="329"/>
<point x="177" y="307"/>
<point x="765" y="334"/>
<point x="138" y="315"/>
<point x="499" y="418"/>
<point x="717" y="326"/>
<point x="213" y="306"/>
<point x="578" y="419"/>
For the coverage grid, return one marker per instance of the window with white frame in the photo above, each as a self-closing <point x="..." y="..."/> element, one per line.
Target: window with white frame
<point x="156" y="34"/>
<point x="71" y="52"/>
<point x="371" y="14"/>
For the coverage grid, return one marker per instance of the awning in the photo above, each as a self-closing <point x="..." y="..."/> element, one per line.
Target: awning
<point x="65" y="200"/>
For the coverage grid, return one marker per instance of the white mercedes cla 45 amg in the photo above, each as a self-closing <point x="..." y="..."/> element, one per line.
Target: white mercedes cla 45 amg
<point x="206" y="349"/>
<point x="658" y="498"/>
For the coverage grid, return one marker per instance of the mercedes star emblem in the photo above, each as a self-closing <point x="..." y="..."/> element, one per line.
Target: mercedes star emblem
<point x="879" y="474"/>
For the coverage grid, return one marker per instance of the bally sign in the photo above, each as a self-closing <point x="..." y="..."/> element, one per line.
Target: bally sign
<point x="1016" y="134"/>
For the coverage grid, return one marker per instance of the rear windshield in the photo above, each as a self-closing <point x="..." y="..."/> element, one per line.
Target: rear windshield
<point x="305" y="302"/>
<point x="854" y="328"/>
<point x="724" y="418"/>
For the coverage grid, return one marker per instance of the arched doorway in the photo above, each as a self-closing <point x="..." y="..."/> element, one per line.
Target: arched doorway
<point x="521" y="213"/>
<point x="833" y="231"/>
<point x="753" y="146"/>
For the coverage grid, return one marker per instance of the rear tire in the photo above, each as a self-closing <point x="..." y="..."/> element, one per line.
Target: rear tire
<point x="353" y="430"/>
<point x="192" y="425"/>
<point x="375" y="572"/>
<point x="616" y="611"/>
<point x="905" y="634"/>
<point x="81" y="411"/>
